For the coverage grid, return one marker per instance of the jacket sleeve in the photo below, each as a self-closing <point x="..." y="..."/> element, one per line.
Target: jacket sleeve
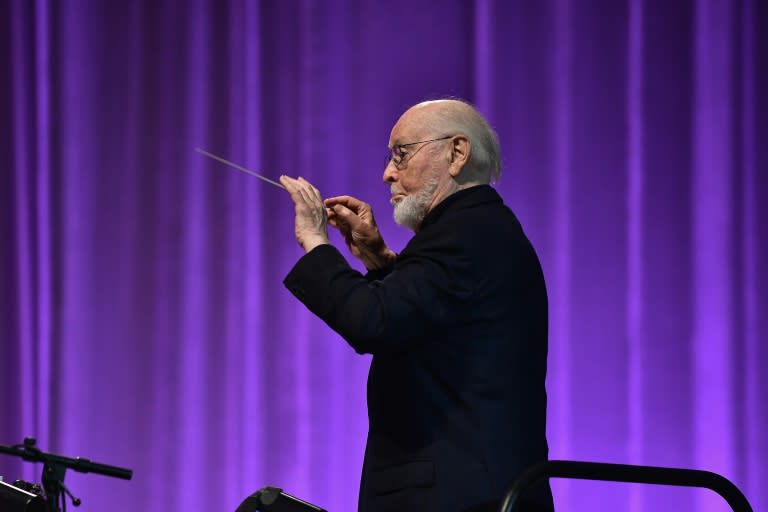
<point x="420" y="296"/>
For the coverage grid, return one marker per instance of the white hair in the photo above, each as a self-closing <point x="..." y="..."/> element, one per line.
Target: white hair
<point x="454" y="116"/>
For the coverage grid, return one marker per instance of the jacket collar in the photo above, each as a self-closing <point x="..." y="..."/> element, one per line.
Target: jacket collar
<point x="466" y="198"/>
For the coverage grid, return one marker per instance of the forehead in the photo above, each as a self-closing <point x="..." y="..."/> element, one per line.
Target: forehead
<point x="412" y="126"/>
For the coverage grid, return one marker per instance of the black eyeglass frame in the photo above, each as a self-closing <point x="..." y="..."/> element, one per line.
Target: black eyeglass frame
<point x="399" y="160"/>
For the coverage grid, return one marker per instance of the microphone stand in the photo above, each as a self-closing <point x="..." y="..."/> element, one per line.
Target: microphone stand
<point x="54" y="468"/>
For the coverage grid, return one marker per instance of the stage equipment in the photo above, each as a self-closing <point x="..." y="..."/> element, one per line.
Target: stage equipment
<point x="54" y="467"/>
<point x="16" y="499"/>
<point x="630" y="473"/>
<point x="273" y="499"/>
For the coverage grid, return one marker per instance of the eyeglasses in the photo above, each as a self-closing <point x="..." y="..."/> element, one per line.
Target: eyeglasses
<point x="399" y="157"/>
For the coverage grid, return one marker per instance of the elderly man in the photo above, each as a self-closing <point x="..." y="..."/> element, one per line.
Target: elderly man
<point x="456" y="323"/>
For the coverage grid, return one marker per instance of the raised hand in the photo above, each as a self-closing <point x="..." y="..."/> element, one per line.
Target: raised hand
<point x="354" y="220"/>
<point x="311" y="224"/>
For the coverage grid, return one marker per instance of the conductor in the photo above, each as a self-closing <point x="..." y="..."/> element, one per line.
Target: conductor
<point x="456" y="322"/>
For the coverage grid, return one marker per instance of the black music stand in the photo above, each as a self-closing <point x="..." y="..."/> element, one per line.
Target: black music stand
<point x="54" y="468"/>
<point x="14" y="499"/>
<point x="273" y="499"/>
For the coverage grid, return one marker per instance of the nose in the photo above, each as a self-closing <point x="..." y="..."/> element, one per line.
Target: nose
<point x="390" y="173"/>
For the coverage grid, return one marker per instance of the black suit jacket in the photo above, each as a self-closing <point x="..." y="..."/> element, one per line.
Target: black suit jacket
<point x="458" y="332"/>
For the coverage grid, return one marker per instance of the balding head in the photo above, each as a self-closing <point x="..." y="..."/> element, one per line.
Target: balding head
<point x="438" y="148"/>
<point x="451" y="117"/>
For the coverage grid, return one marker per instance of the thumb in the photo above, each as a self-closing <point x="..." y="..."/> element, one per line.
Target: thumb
<point x="348" y="216"/>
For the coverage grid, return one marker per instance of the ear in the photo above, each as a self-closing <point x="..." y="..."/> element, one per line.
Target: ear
<point x="459" y="156"/>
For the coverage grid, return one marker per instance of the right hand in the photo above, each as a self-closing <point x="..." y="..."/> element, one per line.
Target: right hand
<point x="311" y="215"/>
<point x="354" y="220"/>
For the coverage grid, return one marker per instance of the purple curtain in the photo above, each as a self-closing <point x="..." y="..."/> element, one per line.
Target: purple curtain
<point x="143" y="321"/>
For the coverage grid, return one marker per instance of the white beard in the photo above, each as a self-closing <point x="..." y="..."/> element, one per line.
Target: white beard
<point x="411" y="210"/>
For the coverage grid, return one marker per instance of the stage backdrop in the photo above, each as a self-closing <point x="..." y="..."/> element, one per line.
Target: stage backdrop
<point x="143" y="320"/>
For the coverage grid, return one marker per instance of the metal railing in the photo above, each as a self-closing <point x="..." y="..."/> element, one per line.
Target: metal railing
<point x="626" y="473"/>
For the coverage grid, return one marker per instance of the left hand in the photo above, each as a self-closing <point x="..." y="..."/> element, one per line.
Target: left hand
<point x="354" y="219"/>
<point x="311" y="225"/>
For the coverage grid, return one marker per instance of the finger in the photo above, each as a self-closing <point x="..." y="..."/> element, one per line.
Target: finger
<point x="318" y="196"/>
<point x="292" y="189"/>
<point x="314" y="194"/>
<point x="348" y="238"/>
<point x="333" y="219"/>
<point x="306" y="195"/>
<point x="336" y="221"/>
<point x="347" y="216"/>
<point x="287" y="181"/>
<point x="312" y="188"/>
<point x="341" y="227"/>
<point x="350" y="202"/>
<point x="310" y="194"/>
<point x="309" y="188"/>
<point x="301" y="187"/>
